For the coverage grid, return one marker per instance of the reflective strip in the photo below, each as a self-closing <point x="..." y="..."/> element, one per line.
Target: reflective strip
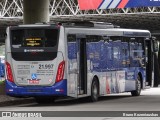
<point x="123" y="4"/>
<point x="105" y="4"/>
<point x="114" y="4"/>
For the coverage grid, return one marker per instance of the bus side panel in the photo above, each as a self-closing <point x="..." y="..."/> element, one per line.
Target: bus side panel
<point x="142" y="73"/>
<point x="58" y="89"/>
<point x="130" y="80"/>
<point x="99" y="55"/>
<point x="131" y="77"/>
<point x="131" y="71"/>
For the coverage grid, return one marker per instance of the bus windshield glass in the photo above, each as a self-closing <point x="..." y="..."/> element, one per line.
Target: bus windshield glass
<point x="34" y="38"/>
<point x="32" y="44"/>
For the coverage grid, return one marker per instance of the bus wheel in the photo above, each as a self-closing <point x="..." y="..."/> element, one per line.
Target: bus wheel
<point x="138" y="87"/>
<point x="94" y="90"/>
<point x="44" y="99"/>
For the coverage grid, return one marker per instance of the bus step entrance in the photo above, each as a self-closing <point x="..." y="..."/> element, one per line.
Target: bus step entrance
<point x="80" y="92"/>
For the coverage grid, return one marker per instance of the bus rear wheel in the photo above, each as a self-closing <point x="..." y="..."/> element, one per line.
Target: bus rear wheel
<point x="94" y="91"/>
<point x="138" y="87"/>
<point x="44" y="99"/>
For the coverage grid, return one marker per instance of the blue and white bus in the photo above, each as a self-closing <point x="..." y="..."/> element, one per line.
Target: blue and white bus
<point x="47" y="61"/>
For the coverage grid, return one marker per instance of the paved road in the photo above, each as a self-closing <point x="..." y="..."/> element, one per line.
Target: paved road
<point x="148" y="101"/>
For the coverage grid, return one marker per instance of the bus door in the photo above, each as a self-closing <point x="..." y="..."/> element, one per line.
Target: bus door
<point x="148" y="61"/>
<point x="82" y="63"/>
<point x="72" y="65"/>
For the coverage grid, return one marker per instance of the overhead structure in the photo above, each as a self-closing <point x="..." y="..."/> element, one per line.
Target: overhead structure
<point x="34" y="13"/>
<point x="65" y="8"/>
<point x="11" y="12"/>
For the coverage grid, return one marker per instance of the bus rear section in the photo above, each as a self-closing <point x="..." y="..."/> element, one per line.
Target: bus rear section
<point x="35" y="61"/>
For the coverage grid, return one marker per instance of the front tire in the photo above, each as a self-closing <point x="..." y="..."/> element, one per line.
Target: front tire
<point x="94" y="91"/>
<point x="137" y="92"/>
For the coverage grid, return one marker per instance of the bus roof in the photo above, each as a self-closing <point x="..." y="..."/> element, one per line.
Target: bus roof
<point x="110" y="32"/>
<point x="91" y="28"/>
<point x="34" y="25"/>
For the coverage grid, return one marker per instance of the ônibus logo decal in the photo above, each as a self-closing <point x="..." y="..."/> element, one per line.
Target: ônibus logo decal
<point x="18" y="114"/>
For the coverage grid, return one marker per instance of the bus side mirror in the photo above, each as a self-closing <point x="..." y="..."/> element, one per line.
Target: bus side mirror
<point x="155" y="46"/>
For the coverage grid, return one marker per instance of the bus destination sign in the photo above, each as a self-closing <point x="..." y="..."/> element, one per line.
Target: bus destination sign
<point x="33" y="42"/>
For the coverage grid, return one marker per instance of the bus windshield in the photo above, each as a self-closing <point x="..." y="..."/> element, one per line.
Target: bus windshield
<point x="34" y="38"/>
<point x="34" y="44"/>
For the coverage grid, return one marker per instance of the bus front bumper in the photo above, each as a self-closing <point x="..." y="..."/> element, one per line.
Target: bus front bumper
<point x="58" y="89"/>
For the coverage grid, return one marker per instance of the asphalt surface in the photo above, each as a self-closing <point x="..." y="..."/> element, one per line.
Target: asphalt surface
<point x="9" y="101"/>
<point x="149" y="101"/>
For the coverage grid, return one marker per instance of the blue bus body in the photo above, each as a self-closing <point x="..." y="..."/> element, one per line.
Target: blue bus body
<point x="87" y="62"/>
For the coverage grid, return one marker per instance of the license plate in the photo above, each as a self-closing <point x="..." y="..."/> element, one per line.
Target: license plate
<point x="33" y="81"/>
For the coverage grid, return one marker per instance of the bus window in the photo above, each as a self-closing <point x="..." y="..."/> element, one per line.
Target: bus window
<point x="72" y="46"/>
<point x="17" y="37"/>
<point x="42" y="41"/>
<point x="125" y="55"/>
<point x="138" y="52"/>
<point x="34" y="38"/>
<point x="95" y="44"/>
<point x="115" y="53"/>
